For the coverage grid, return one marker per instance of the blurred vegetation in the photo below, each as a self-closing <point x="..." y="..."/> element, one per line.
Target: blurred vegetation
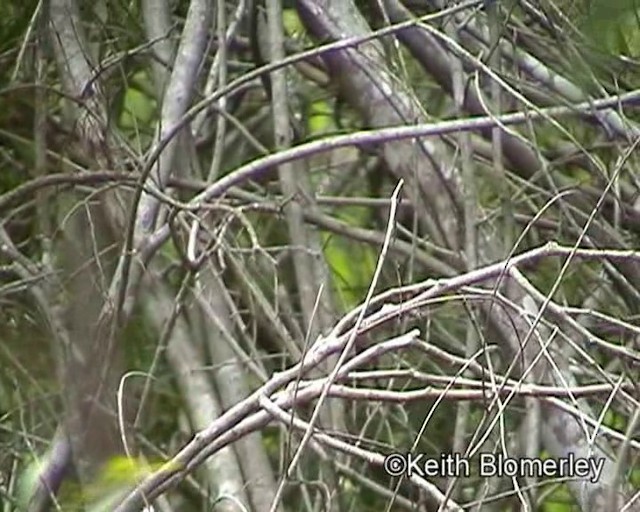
<point x="600" y="53"/>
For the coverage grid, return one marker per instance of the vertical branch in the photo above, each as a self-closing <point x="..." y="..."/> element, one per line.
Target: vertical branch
<point x="156" y="18"/>
<point x="221" y="121"/>
<point x="495" y="59"/>
<point x="230" y="375"/>
<point x="290" y="176"/>
<point x="177" y="98"/>
<point x="83" y="255"/>
<point x="223" y="473"/>
<point x="310" y="269"/>
<point x="470" y="237"/>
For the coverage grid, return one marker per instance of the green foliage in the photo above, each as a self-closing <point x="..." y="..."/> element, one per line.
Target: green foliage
<point x="634" y="477"/>
<point x="320" y="118"/>
<point x="292" y="24"/>
<point x="614" y="421"/>
<point x="138" y="109"/>
<point x="14" y="20"/>
<point x="614" y="26"/>
<point x="117" y="38"/>
<point x="559" y="500"/>
<point x="612" y="30"/>
<point x="116" y="479"/>
<point x="10" y="178"/>
<point x="352" y="264"/>
<point x="125" y="470"/>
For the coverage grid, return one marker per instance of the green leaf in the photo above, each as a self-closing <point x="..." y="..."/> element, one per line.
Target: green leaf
<point x="138" y="108"/>
<point x="614" y="26"/>
<point x="320" y="118"/>
<point x="352" y="264"/>
<point x="292" y="24"/>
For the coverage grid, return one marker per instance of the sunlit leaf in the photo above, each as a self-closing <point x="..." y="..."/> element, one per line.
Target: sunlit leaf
<point x="320" y="118"/>
<point x="292" y="24"/>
